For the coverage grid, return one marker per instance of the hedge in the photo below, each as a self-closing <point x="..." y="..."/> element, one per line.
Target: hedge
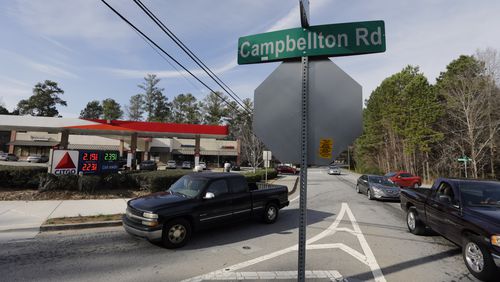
<point x="21" y="176"/>
<point x="152" y="181"/>
<point x="260" y="175"/>
<point x="160" y="180"/>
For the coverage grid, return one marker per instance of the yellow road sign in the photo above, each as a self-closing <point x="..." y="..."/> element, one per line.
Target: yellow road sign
<point x="325" y="148"/>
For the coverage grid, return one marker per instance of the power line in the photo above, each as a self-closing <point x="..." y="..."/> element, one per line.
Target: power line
<point x="168" y="55"/>
<point x="190" y="53"/>
<point x="166" y="59"/>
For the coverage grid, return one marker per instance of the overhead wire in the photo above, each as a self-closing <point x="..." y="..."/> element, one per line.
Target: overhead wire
<point x="171" y="57"/>
<point x="168" y="61"/>
<point x="190" y="53"/>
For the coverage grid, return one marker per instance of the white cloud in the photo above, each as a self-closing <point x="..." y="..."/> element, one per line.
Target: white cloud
<point x="87" y="19"/>
<point x="11" y="94"/>
<point x="292" y="19"/>
<point x="39" y="66"/>
<point x="130" y="73"/>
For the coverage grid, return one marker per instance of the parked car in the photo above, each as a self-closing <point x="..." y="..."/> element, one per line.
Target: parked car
<point x="466" y="212"/>
<point x="404" y="179"/>
<point x="3" y="156"/>
<point x="148" y="165"/>
<point x="186" y="165"/>
<point x="171" y="164"/>
<point x="203" y="165"/>
<point x="333" y="169"/>
<point x="9" y="157"/>
<point x="37" y="159"/>
<point x="377" y="187"/>
<point x="286" y="169"/>
<point x="198" y="201"/>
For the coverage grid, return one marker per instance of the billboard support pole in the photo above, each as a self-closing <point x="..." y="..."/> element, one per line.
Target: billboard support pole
<point x="303" y="170"/>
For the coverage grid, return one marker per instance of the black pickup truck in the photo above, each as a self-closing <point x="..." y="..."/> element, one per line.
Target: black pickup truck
<point x="199" y="201"/>
<point x="466" y="212"/>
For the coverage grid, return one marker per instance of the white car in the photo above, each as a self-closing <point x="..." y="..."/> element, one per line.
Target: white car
<point x="334" y="170"/>
<point x="203" y="165"/>
<point x="186" y="165"/>
<point x="171" y="164"/>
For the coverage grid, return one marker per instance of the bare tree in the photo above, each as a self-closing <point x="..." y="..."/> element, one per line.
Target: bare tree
<point x="464" y="87"/>
<point x="491" y="61"/>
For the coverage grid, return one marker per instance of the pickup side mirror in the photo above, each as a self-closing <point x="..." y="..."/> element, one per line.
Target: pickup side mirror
<point x="209" y="195"/>
<point x="445" y="199"/>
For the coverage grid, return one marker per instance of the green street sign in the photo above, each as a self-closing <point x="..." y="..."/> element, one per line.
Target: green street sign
<point x="465" y="159"/>
<point x="322" y="40"/>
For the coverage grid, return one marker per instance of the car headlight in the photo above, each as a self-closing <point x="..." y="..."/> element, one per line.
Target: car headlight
<point x="495" y="240"/>
<point x="150" y="215"/>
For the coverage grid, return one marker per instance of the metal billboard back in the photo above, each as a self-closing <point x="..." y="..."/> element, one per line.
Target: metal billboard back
<point x="335" y="103"/>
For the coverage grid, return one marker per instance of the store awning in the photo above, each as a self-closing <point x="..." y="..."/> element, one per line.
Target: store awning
<point x="159" y="149"/>
<point x="30" y="143"/>
<point x="205" y="152"/>
<point x="93" y="147"/>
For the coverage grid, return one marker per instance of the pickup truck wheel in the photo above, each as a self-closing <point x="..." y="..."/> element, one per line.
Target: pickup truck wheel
<point x="271" y="213"/>
<point x="369" y="194"/>
<point x="478" y="260"/>
<point x="176" y="233"/>
<point x="414" y="224"/>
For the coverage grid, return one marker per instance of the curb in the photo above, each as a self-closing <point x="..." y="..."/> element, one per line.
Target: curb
<point x="72" y="226"/>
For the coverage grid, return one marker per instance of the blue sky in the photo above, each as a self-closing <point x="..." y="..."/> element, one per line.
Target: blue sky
<point x="92" y="54"/>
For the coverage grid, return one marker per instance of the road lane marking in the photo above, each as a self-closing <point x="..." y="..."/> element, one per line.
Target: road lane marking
<point x="333" y="275"/>
<point x="367" y="258"/>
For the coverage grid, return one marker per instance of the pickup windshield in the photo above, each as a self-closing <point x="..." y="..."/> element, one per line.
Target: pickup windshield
<point x="486" y="194"/>
<point x="188" y="186"/>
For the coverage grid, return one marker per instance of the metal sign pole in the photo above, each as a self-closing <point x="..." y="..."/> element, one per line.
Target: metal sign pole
<point x="303" y="171"/>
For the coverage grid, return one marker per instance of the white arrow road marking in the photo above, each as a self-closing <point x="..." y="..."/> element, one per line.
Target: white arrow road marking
<point x="366" y="258"/>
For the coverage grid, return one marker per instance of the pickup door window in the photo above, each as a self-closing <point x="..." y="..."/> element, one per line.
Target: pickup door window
<point x="443" y="211"/>
<point x="220" y="207"/>
<point x="242" y="199"/>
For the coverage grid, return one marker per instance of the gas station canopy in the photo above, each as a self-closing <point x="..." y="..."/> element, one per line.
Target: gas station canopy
<point x="110" y="127"/>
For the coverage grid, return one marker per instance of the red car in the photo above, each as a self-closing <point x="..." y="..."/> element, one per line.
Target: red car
<point x="404" y="179"/>
<point x="286" y="169"/>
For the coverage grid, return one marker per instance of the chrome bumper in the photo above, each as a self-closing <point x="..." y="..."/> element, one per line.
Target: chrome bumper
<point x="496" y="259"/>
<point x="150" y="235"/>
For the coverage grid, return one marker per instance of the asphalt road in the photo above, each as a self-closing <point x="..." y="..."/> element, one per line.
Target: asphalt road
<point x="349" y="237"/>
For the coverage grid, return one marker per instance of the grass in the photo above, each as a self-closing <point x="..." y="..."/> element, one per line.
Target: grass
<point x="84" y="219"/>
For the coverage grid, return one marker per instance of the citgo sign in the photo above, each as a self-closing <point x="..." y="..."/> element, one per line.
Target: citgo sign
<point x="64" y="162"/>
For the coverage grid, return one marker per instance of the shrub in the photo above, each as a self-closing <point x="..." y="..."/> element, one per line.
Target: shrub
<point x="119" y="181"/>
<point x="89" y="183"/>
<point x="51" y="182"/>
<point x="159" y="180"/>
<point x="21" y="176"/>
<point x="260" y="175"/>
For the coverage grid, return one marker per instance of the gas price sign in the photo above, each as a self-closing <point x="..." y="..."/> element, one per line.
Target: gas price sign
<point x="88" y="162"/>
<point x="95" y="162"/>
<point x="109" y="161"/>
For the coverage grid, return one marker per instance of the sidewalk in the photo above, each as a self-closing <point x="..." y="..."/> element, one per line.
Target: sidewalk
<point x="22" y="219"/>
